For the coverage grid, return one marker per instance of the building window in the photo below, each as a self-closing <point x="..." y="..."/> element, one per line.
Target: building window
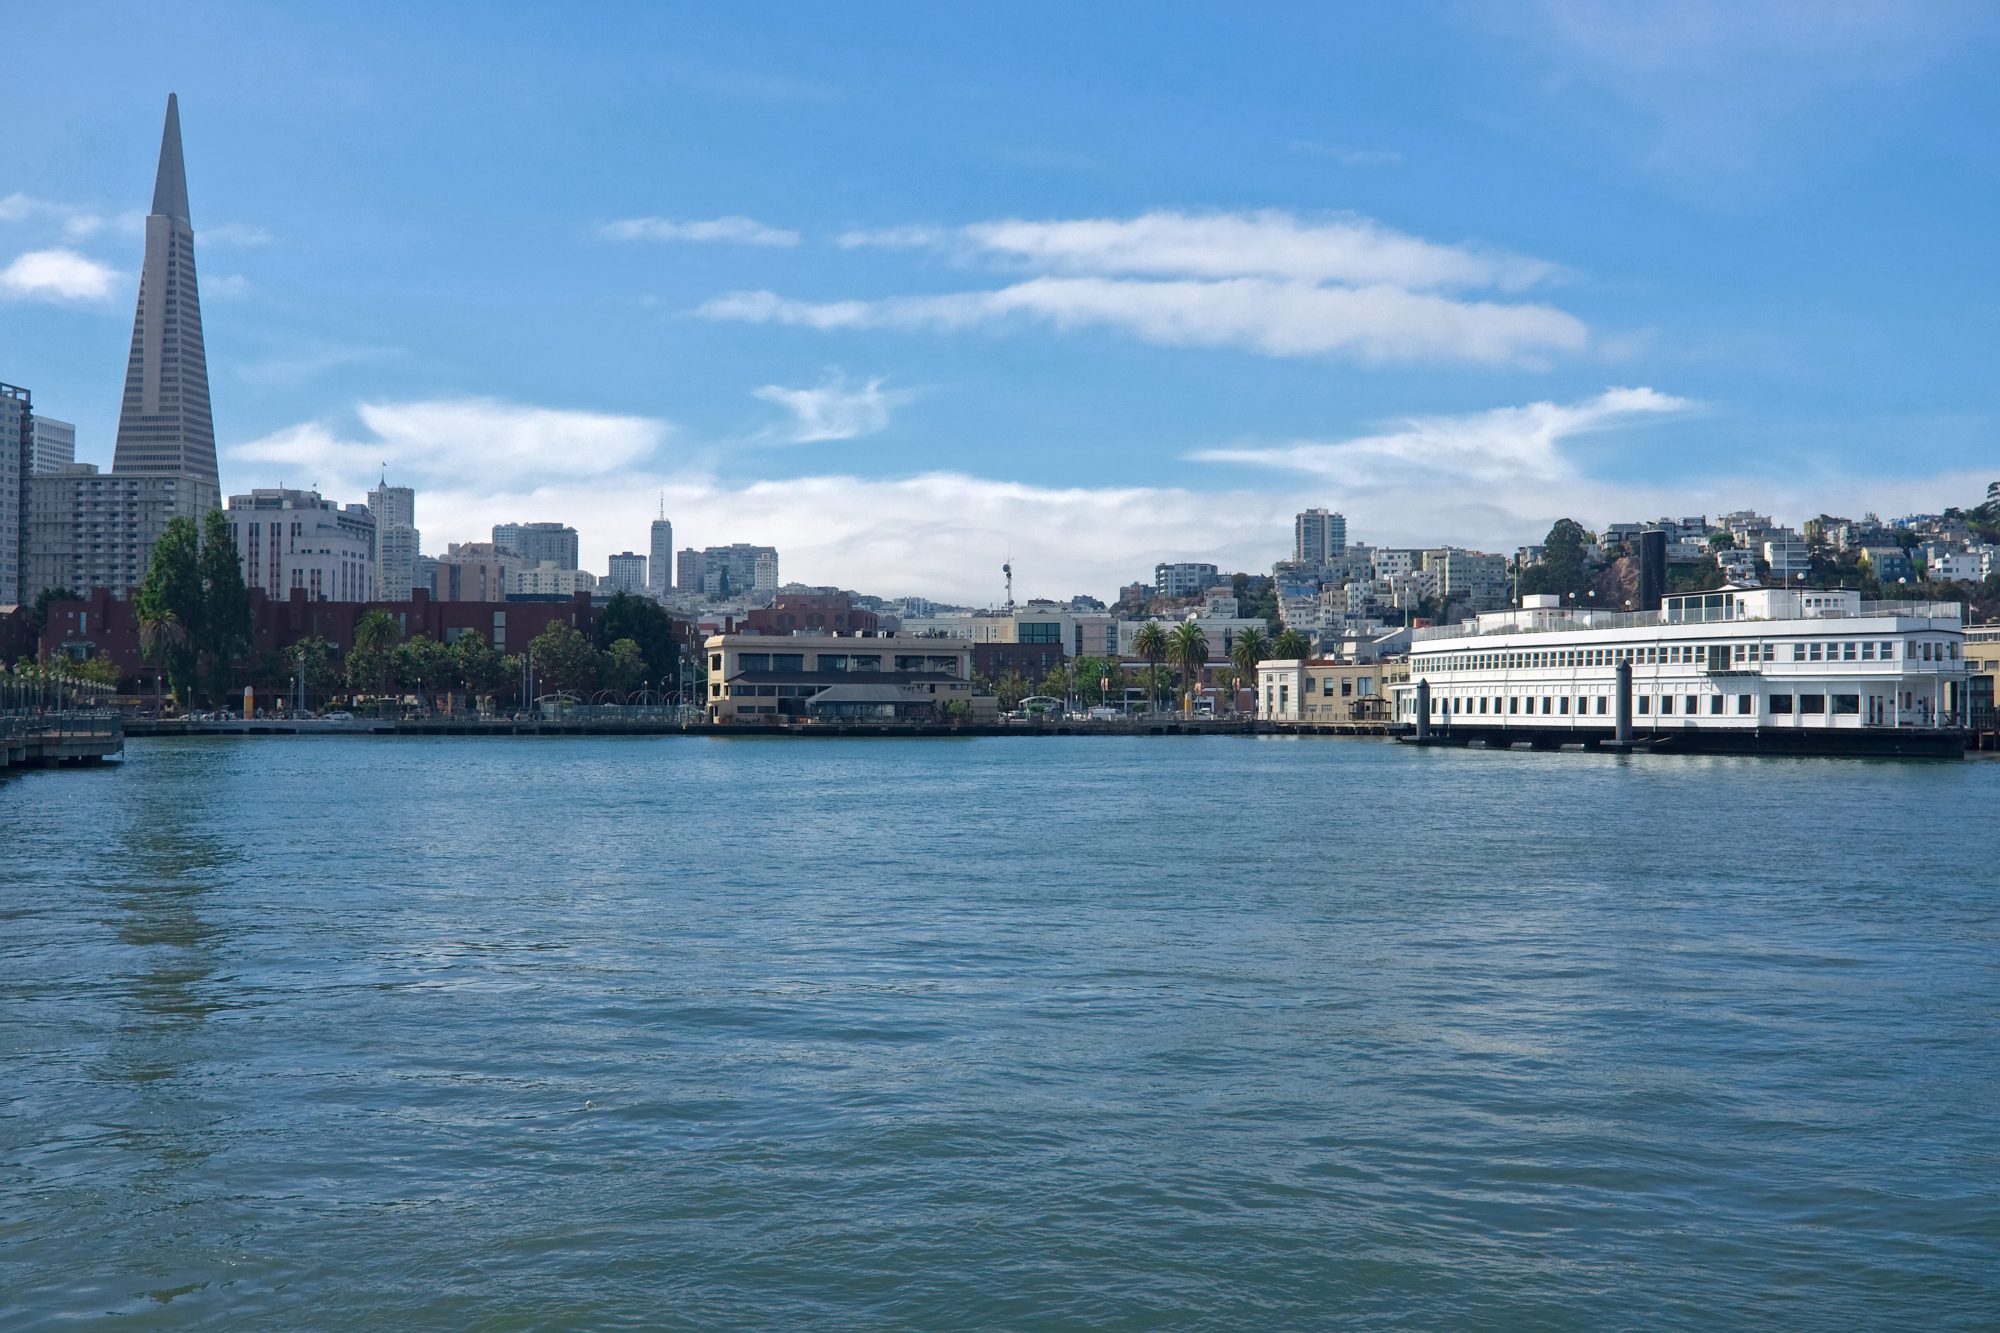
<point x="1038" y="632"/>
<point x="1847" y="705"/>
<point x="1781" y="703"/>
<point x="1812" y="703"/>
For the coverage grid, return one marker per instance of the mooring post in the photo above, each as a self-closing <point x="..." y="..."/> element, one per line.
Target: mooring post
<point x="1624" y="732"/>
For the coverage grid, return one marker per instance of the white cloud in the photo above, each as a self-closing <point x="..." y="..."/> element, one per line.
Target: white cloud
<point x="225" y="285"/>
<point x="739" y="230"/>
<point x="1489" y="479"/>
<point x="490" y="443"/>
<point x="1267" y="281"/>
<point x="1270" y="243"/>
<point x="1371" y="324"/>
<point x="832" y="410"/>
<point x="56" y="275"/>
<point x="1508" y="444"/>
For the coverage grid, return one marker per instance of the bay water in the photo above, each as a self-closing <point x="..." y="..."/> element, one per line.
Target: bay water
<point x="1084" y="1033"/>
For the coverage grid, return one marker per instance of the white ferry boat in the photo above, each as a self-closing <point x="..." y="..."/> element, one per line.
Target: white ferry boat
<point x="1740" y="670"/>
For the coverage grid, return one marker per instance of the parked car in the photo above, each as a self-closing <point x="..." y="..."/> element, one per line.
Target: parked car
<point x="340" y="715"/>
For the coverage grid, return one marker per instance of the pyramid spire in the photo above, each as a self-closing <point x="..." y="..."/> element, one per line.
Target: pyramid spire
<point x="164" y="425"/>
<point x="170" y="187"/>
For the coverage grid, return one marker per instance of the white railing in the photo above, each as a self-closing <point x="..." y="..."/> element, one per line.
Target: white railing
<point x="1573" y="620"/>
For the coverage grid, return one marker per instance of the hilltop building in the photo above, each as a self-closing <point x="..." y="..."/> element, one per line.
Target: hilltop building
<point x="660" y="568"/>
<point x="539" y="543"/>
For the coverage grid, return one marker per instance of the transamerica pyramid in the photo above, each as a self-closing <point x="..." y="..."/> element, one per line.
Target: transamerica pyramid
<point x="164" y="425"/>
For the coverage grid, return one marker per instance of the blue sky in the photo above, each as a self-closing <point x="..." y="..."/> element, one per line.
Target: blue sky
<point x="901" y="289"/>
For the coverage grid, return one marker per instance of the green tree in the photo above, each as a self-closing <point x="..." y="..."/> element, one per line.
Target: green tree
<point x="99" y="670"/>
<point x="1292" y="644"/>
<point x="564" y="660"/>
<point x="422" y="664"/>
<point x="1055" y="682"/>
<point x="224" y="627"/>
<point x="39" y="618"/>
<point x="163" y="641"/>
<point x="1721" y="541"/>
<point x="368" y="663"/>
<point x="1087" y="676"/>
<point x="1151" y="643"/>
<point x="477" y="668"/>
<point x="1250" y="648"/>
<point x="623" y="668"/>
<point x="1561" y="570"/>
<point x="650" y="629"/>
<point x="1010" y="689"/>
<point x="1188" y="647"/>
<point x="169" y="604"/>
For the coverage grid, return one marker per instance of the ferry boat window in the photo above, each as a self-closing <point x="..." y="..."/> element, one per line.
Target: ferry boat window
<point x="1601" y="702"/>
<point x="1889" y="651"/>
<point x="1813" y="651"/>
<point x="1812" y="703"/>
<point x="1743" y="705"/>
<point x="1847" y="651"/>
<point x="1781" y="703"/>
<point x="1798" y="652"/>
<point x="1565" y="706"/>
<point x="1666" y="704"/>
<point x="1644" y="701"/>
<point x="1694" y="705"/>
<point x="1513" y="705"/>
<point x="1545" y="704"/>
<point x="1770" y="652"/>
<point x="1715" y="705"/>
<point x="1847" y="704"/>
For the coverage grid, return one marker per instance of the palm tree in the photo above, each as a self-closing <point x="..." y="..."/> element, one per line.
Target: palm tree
<point x="162" y="639"/>
<point x="374" y="635"/>
<point x="1151" y="643"/>
<point x="1250" y="648"/>
<point x="1188" y="647"/>
<point x="1291" y="644"/>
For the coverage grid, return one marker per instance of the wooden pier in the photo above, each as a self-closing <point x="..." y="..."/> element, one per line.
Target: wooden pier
<point x="48" y="740"/>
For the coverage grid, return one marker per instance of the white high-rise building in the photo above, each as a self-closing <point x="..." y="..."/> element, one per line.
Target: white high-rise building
<point x="628" y="573"/>
<point x="397" y="541"/>
<point x="1318" y="536"/>
<point x="291" y="541"/>
<point x="660" y="565"/>
<point x="17" y="448"/>
<point x="55" y="446"/>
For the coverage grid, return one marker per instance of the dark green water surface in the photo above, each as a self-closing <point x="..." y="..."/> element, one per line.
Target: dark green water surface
<point x="1015" y="1034"/>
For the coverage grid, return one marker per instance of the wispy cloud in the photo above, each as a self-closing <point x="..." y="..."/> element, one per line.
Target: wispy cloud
<point x="1346" y="155"/>
<point x="56" y="275"/>
<point x="1268" y="282"/>
<point x="1269" y="243"/>
<point x="1716" y="77"/>
<point x="1282" y="319"/>
<point x="226" y="286"/>
<point x="832" y="410"/>
<point x="733" y="229"/>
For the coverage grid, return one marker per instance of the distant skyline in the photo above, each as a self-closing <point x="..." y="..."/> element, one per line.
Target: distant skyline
<point x="904" y="292"/>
